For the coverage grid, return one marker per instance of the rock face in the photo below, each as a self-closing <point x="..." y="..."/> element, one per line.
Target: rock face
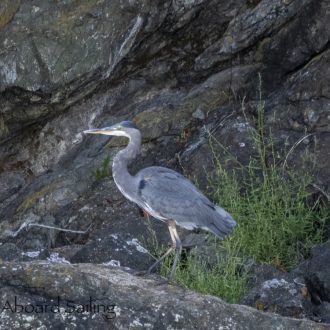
<point x="316" y="273"/>
<point x="301" y="293"/>
<point x="278" y="292"/>
<point x="179" y="69"/>
<point x="94" y="296"/>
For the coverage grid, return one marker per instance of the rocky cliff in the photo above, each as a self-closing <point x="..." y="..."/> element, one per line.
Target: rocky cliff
<point x="178" y="69"/>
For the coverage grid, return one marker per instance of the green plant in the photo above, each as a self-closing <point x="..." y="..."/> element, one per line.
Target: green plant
<point x="278" y="218"/>
<point x="277" y="222"/>
<point x="152" y="242"/>
<point x="224" y="278"/>
<point x="104" y="171"/>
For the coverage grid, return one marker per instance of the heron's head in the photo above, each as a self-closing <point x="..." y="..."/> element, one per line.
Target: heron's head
<point x="121" y="129"/>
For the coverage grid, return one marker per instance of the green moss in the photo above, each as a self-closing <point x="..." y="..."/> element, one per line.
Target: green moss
<point x="8" y="10"/>
<point x="31" y="199"/>
<point x="104" y="171"/>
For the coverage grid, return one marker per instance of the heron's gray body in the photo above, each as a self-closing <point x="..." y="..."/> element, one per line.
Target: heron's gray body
<point x="164" y="193"/>
<point x="168" y="195"/>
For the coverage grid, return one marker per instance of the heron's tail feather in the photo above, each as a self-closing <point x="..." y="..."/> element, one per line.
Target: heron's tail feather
<point x="223" y="224"/>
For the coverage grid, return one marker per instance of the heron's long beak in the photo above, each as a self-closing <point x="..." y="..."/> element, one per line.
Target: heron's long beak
<point x="106" y="131"/>
<point x="112" y="131"/>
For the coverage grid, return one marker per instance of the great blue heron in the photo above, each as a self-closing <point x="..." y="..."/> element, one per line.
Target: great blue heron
<point x="164" y="193"/>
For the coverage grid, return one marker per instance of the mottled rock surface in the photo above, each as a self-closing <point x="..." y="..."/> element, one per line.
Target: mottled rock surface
<point x="278" y="292"/>
<point x="180" y="69"/>
<point x="318" y="273"/>
<point x="95" y="296"/>
<point x="302" y="293"/>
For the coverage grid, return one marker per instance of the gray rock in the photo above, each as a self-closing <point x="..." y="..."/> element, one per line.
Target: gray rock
<point x="318" y="312"/>
<point x="321" y="312"/>
<point x="133" y="302"/>
<point x="280" y="294"/>
<point x="295" y="294"/>
<point x="9" y="252"/>
<point x="100" y="34"/>
<point x="66" y="67"/>
<point x="317" y="274"/>
<point x="199" y="114"/>
<point x="127" y="252"/>
<point x="11" y="183"/>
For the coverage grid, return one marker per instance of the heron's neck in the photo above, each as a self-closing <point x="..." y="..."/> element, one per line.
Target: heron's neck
<point x="123" y="158"/>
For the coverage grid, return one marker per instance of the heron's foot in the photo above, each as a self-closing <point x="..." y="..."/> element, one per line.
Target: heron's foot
<point x="145" y="272"/>
<point x="162" y="281"/>
<point x="141" y="273"/>
<point x="166" y="281"/>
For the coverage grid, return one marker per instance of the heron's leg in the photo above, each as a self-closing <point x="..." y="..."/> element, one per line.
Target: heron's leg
<point x="160" y="260"/>
<point x="175" y="239"/>
<point x="146" y="214"/>
<point x="177" y="245"/>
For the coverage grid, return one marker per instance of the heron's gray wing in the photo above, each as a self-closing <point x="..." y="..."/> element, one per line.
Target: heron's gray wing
<point x="167" y="191"/>
<point x="172" y="196"/>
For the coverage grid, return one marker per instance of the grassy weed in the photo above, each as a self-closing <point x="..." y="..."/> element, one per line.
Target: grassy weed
<point x="104" y="171"/>
<point x="278" y="218"/>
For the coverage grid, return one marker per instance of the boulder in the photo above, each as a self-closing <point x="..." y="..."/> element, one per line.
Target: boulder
<point x="89" y="296"/>
<point x="317" y="273"/>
